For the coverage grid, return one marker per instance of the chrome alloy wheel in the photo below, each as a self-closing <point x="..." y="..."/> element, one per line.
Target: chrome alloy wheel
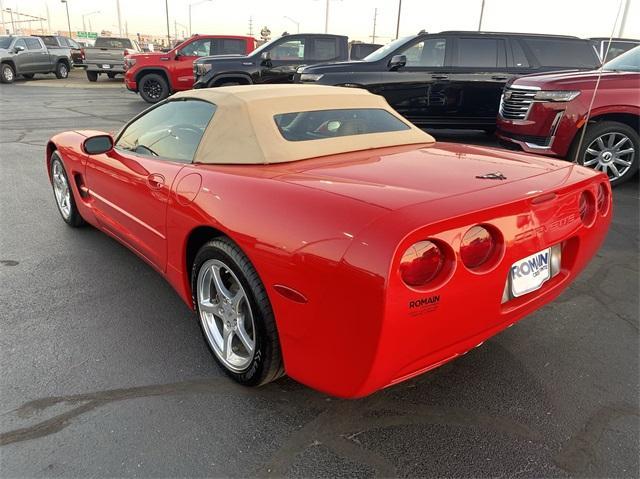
<point x="611" y="153"/>
<point x="8" y="73"/>
<point x="226" y="315"/>
<point x="61" y="190"/>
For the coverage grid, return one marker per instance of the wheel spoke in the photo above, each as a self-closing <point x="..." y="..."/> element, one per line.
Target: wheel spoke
<point x="207" y="306"/>
<point x="590" y="162"/>
<point x="625" y="152"/>
<point x="593" y="152"/>
<point x="612" y="139"/>
<point x="244" y="337"/>
<point x="614" y="168"/>
<point x="622" y="162"/>
<point x="219" y="284"/>
<point x="620" y="143"/>
<point x="601" y="143"/>
<point x="227" y="339"/>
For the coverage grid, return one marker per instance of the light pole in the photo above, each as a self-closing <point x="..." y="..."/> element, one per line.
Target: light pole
<point x="66" y="4"/>
<point x="193" y="5"/>
<point x="375" y="20"/>
<point x="294" y="21"/>
<point x="398" y="23"/>
<point x="13" y="25"/>
<point x="166" y="7"/>
<point x="84" y="15"/>
<point x="119" y="21"/>
<point x="481" y="15"/>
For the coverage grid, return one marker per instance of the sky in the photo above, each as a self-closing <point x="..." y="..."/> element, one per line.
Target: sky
<point x="354" y="18"/>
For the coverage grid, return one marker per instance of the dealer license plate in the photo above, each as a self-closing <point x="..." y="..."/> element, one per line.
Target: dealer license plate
<point x="530" y="273"/>
<point x="106" y="66"/>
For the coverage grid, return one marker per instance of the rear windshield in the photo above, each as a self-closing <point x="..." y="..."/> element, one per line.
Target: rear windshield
<point x="553" y="52"/>
<point x="316" y="125"/>
<point x="113" y="43"/>
<point x="5" y="42"/>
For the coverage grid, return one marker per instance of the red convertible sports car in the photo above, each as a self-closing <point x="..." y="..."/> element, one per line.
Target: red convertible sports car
<point x="317" y="233"/>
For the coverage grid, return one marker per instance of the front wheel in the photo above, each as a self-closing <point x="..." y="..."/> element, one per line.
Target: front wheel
<point x="235" y="314"/>
<point x="610" y="147"/>
<point x="63" y="193"/>
<point x="153" y="88"/>
<point x="62" y="70"/>
<point x="7" y="73"/>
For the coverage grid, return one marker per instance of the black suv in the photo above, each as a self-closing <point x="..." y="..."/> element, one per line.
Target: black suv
<point x="273" y="62"/>
<point x="453" y="79"/>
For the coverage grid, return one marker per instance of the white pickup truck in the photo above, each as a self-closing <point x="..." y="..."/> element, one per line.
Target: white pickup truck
<point x="107" y="56"/>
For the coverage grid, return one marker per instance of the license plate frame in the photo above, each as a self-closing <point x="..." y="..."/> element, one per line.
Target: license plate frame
<point x="106" y="66"/>
<point x="529" y="274"/>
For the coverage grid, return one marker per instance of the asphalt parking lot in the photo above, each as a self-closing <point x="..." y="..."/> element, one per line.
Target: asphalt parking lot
<point x="105" y="374"/>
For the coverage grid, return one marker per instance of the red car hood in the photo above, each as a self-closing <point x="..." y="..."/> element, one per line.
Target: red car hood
<point x="570" y="80"/>
<point x="399" y="177"/>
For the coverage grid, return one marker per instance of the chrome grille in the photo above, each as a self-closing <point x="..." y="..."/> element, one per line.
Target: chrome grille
<point x="515" y="103"/>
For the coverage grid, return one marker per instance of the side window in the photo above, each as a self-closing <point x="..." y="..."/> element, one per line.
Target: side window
<point x="50" y="41"/>
<point x="72" y="44"/>
<point x="427" y="53"/>
<point x="20" y="43"/>
<point x="198" y="48"/>
<point x="325" y="49"/>
<point x="519" y="58"/>
<point x="33" y="43"/>
<point x="171" y="131"/>
<point x="481" y="52"/>
<point x="290" y="50"/>
<point x="227" y="46"/>
<point x="567" y="53"/>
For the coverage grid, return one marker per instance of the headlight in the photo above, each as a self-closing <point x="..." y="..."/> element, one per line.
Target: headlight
<point x="558" y="95"/>
<point x="310" y="76"/>
<point x="201" y="68"/>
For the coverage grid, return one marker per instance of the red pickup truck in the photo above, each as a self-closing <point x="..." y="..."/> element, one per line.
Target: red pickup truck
<point x="546" y="114"/>
<point x="157" y="75"/>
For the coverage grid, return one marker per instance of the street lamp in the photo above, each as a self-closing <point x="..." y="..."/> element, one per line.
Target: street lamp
<point x="398" y="24"/>
<point x="13" y="25"/>
<point x="66" y="4"/>
<point x="294" y="21"/>
<point x="84" y="15"/>
<point x="193" y="5"/>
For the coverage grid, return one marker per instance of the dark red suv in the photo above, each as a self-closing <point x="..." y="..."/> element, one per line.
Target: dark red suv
<point x="548" y="113"/>
<point x="157" y="75"/>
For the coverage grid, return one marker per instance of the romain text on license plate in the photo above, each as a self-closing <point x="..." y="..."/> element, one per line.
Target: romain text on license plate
<point x="530" y="273"/>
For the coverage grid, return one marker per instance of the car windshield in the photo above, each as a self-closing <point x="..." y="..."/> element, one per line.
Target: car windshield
<point x="264" y="46"/>
<point x="120" y="43"/>
<point x="321" y="124"/>
<point x="382" y="52"/>
<point x="5" y="42"/>
<point x="627" y="62"/>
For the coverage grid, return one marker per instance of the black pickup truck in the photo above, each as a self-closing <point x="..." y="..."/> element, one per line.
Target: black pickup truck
<point x="274" y="62"/>
<point x="453" y="79"/>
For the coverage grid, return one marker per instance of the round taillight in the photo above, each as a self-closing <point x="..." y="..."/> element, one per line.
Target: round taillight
<point x="477" y="247"/>
<point x="602" y="199"/>
<point x="421" y="263"/>
<point x="587" y="208"/>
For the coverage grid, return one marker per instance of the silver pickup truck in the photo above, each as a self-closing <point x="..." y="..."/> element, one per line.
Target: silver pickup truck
<point x="107" y="56"/>
<point x="26" y="56"/>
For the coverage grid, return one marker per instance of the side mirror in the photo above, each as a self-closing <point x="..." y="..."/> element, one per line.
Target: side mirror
<point x="397" y="62"/>
<point x="18" y="49"/>
<point x="96" y="145"/>
<point x="265" y="58"/>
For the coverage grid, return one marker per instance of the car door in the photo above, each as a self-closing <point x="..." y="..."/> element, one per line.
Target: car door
<point x="285" y="57"/>
<point x="477" y="76"/>
<point x="38" y="55"/>
<point x="183" y="65"/>
<point x="418" y="90"/>
<point x="130" y="186"/>
<point x="24" y="62"/>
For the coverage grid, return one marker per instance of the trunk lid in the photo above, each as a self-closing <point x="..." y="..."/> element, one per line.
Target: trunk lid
<point x="394" y="178"/>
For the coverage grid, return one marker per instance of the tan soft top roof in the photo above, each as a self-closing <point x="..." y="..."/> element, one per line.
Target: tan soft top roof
<point x="243" y="129"/>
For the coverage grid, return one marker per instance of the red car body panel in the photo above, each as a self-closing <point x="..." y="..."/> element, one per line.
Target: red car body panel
<point x="178" y="71"/>
<point x="617" y="94"/>
<point x="333" y="229"/>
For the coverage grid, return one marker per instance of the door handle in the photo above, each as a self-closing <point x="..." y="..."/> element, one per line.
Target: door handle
<point x="440" y="77"/>
<point x="499" y="77"/>
<point x="155" y="181"/>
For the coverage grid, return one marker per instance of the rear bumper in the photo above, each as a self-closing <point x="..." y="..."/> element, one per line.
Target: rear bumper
<point x="113" y="68"/>
<point x="383" y="332"/>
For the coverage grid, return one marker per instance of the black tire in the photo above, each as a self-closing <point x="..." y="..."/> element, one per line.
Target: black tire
<point x="606" y="128"/>
<point x="62" y="70"/>
<point x="7" y="73"/>
<point x="92" y="76"/>
<point x="266" y="365"/>
<point x="153" y="88"/>
<point x="111" y="75"/>
<point x="28" y="76"/>
<point x="73" y="219"/>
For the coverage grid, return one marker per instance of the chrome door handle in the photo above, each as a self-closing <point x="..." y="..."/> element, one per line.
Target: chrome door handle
<point x="155" y="181"/>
